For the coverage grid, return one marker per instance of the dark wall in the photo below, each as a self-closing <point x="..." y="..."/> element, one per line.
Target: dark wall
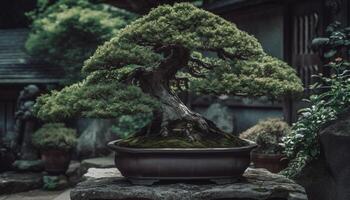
<point x="8" y="101"/>
<point x="12" y="13"/>
<point x="241" y="112"/>
<point x="265" y="23"/>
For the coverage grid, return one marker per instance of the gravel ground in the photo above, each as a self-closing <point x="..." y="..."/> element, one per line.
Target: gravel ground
<point x="38" y="195"/>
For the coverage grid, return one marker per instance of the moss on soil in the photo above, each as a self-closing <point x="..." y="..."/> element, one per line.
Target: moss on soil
<point x="182" y="142"/>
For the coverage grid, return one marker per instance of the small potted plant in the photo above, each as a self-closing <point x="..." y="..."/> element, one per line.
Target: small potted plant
<point x="268" y="134"/>
<point x="55" y="142"/>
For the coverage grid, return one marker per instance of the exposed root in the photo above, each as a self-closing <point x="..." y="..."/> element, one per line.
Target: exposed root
<point x="181" y="142"/>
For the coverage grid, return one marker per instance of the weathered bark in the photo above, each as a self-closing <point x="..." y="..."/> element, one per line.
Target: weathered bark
<point x="174" y="114"/>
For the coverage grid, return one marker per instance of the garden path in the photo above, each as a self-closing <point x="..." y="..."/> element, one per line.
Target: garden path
<point x="38" y="195"/>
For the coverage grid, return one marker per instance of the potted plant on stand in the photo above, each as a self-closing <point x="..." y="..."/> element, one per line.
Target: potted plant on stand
<point x="268" y="134"/>
<point x="55" y="142"/>
<point x="140" y="71"/>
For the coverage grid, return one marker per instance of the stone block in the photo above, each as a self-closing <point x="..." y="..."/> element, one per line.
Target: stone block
<point x="13" y="182"/>
<point x="257" y="184"/>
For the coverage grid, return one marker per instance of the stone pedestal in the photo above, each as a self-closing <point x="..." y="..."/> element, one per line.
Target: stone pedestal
<point x="13" y="182"/>
<point x="256" y="184"/>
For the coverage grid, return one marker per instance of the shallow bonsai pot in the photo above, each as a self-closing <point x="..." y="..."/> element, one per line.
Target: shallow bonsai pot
<point x="272" y="162"/>
<point x="148" y="165"/>
<point x="55" y="161"/>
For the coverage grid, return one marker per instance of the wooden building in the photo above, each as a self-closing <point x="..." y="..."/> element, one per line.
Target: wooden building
<point x="285" y="29"/>
<point x="18" y="70"/>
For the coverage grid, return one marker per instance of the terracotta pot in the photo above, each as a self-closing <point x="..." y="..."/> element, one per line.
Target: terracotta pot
<point x="148" y="165"/>
<point x="272" y="162"/>
<point x="56" y="161"/>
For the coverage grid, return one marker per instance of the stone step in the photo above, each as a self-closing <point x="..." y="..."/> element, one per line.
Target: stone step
<point x="99" y="162"/>
<point x="257" y="184"/>
<point x="13" y="182"/>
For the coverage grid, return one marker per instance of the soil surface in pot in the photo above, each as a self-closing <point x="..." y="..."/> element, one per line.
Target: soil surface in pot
<point x="182" y="142"/>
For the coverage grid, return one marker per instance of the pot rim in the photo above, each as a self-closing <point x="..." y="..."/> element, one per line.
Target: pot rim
<point x="113" y="145"/>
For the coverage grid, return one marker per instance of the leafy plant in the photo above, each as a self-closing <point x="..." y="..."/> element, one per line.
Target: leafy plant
<point x="336" y="43"/>
<point x="268" y="134"/>
<point x="332" y="96"/>
<point x="54" y="136"/>
<point x="67" y="32"/>
<point x="136" y="73"/>
<point x="128" y="125"/>
<point x="302" y="145"/>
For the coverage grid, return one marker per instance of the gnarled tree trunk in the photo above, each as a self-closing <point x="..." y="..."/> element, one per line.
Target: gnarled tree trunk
<point x="174" y="114"/>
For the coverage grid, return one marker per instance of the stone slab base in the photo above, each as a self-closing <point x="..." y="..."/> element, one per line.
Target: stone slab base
<point x="257" y="184"/>
<point x="13" y="182"/>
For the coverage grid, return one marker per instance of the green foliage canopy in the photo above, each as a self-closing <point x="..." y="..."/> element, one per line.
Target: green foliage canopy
<point x="55" y="136"/>
<point x="268" y="134"/>
<point x="239" y="65"/>
<point x="336" y="42"/>
<point x="68" y="32"/>
<point x="106" y="98"/>
<point x="127" y="125"/>
<point x="221" y="59"/>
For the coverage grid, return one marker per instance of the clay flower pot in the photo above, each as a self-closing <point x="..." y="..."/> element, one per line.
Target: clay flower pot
<point x="56" y="161"/>
<point x="146" y="165"/>
<point x="272" y="162"/>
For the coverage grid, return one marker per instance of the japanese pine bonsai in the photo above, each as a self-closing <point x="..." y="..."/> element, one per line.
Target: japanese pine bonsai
<point x="139" y="71"/>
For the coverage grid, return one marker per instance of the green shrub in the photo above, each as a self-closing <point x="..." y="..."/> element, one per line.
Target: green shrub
<point x="331" y="97"/>
<point x="268" y="134"/>
<point x="68" y="32"/>
<point x="55" y="136"/>
<point x="335" y="43"/>
<point x="302" y="145"/>
<point x="128" y="125"/>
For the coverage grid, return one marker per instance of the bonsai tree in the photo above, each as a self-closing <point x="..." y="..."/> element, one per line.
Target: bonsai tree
<point x="55" y="136"/>
<point x="55" y="142"/>
<point x="172" y="48"/>
<point x="67" y="32"/>
<point x="268" y="134"/>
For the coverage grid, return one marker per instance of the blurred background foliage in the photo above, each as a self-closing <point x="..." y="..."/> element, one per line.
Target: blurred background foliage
<point x="64" y="33"/>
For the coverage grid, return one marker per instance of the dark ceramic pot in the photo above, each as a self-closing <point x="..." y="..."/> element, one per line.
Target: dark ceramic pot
<point x="56" y="161"/>
<point x="146" y="165"/>
<point x="272" y="162"/>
